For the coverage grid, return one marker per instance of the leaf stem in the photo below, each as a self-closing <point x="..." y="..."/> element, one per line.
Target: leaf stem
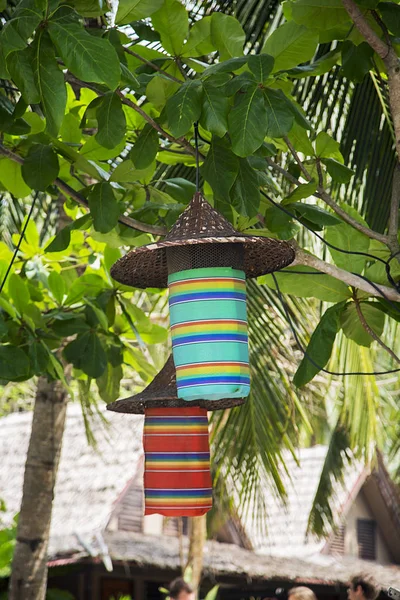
<point x="152" y="65"/>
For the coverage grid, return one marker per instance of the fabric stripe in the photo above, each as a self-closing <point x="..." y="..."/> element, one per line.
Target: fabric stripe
<point x="177" y="479"/>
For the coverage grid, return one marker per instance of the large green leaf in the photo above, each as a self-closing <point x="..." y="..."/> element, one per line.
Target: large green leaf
<point x="134" y="10"/>
<point x="214" y="114"/>
<point x="87" y="354"/>
<point x="14" y="364"/>
<point x="172" y="23"/>
<point x="352" y="326"/>
<point x="108" y="383"/>
<point x="11" y="178"/>
<point x="103" y="207"/>
<point x="245" y="192"/>
<point x="356" y="60"/>
<point x="320" y="346"/>
<point x="40" y="167"/>
<point x="199" y="42"/>
<point x="261" y="66"/>
<point x="16" y="32"/>
<point x="319" y="14"/>
<point x="247" y="121"/>
<point x="280" y="117"/>
<point x="220" y="167"/>
<point x="111" y="121"/>
<point x="391" y="16"/>
<point x="347" y="238"/>
<point x="18" y="292"/>
<point x="20" y="67"/>
<point x="290" y="45"/>
<point x="88" y="57"/>
<point x="145" y="148"/>
<point x="184" y="107"/>
<point x="227" y="35"/>
<point x="315" y="214"/>
<point x="49" y="81"/>
<point x="339" y="173"/>
<point x="321" y="286"/>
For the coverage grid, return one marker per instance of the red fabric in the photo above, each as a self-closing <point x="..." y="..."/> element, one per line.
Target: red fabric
<point x="177" y="479"/>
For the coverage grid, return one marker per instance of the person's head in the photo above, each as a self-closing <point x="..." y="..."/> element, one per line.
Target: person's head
<point x="301" y="593"/>
<point x="362" y="587"/>
<point x="180" y="590"/>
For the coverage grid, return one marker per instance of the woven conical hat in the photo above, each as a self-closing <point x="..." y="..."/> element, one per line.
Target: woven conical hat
<point x="200" y="223"/>
<point x="162" y="393"/>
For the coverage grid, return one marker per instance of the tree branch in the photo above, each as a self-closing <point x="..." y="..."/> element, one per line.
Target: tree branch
<point x="393" y="230"/>
<point x="69" y="191"/>
<point x="323" y="195"/>
<point x="152" y="65"/>
<point x="297" y="158"/>
<point x="364" y="28"/>
<point x="352" y="280"/>
<point x="370" y="331"/>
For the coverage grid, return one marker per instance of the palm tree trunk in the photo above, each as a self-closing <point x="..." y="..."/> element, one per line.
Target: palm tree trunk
<point x="29" y="568"/>
<point x="198" y="533"/>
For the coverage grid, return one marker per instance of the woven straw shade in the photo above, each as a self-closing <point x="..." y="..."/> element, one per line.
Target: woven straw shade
<point x="199" y="223"/>
<point x="162" y="392"/>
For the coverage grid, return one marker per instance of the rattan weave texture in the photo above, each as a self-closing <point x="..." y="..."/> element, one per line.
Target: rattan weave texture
<point x="200" y="224"/>
<point x="162" y="393"/>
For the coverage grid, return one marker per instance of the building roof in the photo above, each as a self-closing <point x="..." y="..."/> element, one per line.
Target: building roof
<point x="90" y="482"/>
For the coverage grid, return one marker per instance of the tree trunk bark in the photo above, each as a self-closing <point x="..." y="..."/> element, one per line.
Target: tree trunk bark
<point x="198" y="534"/>
<point x="29" y="568"/>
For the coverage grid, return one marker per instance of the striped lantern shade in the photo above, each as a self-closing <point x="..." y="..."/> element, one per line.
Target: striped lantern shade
<point x="177" y="479"/>
<point x="209" y="333"/>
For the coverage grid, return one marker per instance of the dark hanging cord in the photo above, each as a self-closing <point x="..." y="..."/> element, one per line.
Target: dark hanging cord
<point x="21" y="237"/>
<point x="196" y="145"/>
<point x="306" y="354"/>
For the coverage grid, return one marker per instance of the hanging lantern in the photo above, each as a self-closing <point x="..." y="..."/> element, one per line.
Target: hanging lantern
<point x="205" y="262"/>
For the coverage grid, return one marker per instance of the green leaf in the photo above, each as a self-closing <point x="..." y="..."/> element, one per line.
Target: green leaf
<point x="227" y="66"/>
<point x="347" y="238"/>
<point x="40" y="167"/>
<point x="214" y="114"/>
<point x="39" y="358"/>
<point x="127" y="173"/>
<point x="172" y="23"/>
<point x="320" y="345"/>
<point x="327" y="147"/>
<point x="261" y="66"/>
<point x="290" y="45"/>
<point x="280" y="117"/>
<point x="18" y="292"/>
<point x="11" y="178"/>
<point x="108" y="383"/>
<point x="247" y="122"/>
<point x="227" y="35"/>
<point x="245" y="192"/>
<point x="16" y="32"/>
<point x="49" y="81"/>
<point x="57" y="285"/>
<point x="20" y="67"/>
<point x="319" y="14"/>
<point x="180" y="189"/>
<point x="315" y="214"/>
<point x="321" y="286"/>
<point x="134" y="10"/>
<point x="304" y="190"/>
<point x="184" y="107"/>
<point x="220" y="167"/>
<point x="14" y="364"/>
<point x="145" y="148"/>
<point x="111" y="121"/>
<point x="280" y="223"/>
<point x="63" y="238"/>
<point x="87" y="354"/>
<point x="339" y="173"/>
<point x="390" y="13"/>
<point x="88" y="57"/>
<point x="356" y="60"/>
<point x="199" y="41"/>
<point x="352" y="327"/>
<point x="104" y="207"/>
